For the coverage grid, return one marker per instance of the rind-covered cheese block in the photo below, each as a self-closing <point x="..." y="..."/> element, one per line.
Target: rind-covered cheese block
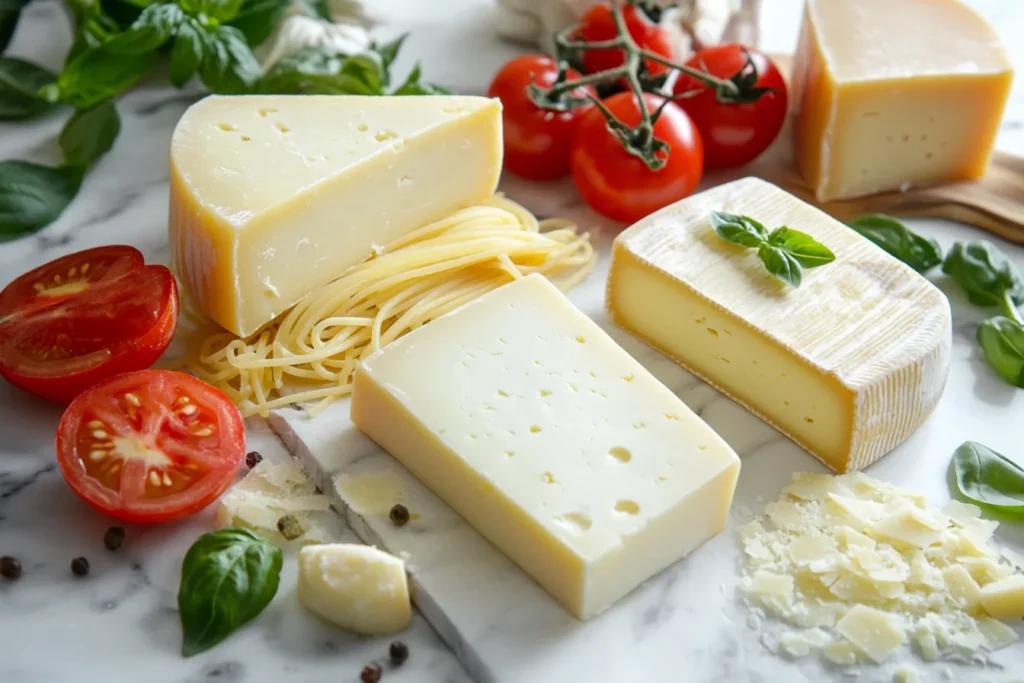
<point x="847" y="365"/>
<point x="546" y="436"/>
<point x="274" y="196"/>
<point x="891" y="95"/>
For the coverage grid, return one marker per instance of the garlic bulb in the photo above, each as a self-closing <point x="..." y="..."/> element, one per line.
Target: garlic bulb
<point x="347" y="33"/>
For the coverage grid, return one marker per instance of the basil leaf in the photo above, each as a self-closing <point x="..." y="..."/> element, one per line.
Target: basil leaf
<point x="20" y="83"/>
<point x="227" y="578"/>
<point x="917" y="251"/>
<point x="984" y="273"/>
<point x="90" y="133"/>
<point x="96" y="75"/>
<point x="781" y="264"/>
<point x="149" y="32"/>
<point x="33" y="196"/>
<point x="187" y="52"/>
<point x="805" y="249"/>
<point x="228" y="65"/>
<point x="741" y="230"/>
<point x="989" y="480"/>
<point x="389" y="52"/>
<point x="257" y="19"/>
<point x="412" y="85"/>
<point x="10" y="11"/>
<point x="315" y="71"/>
<point x="1002" y="340"/>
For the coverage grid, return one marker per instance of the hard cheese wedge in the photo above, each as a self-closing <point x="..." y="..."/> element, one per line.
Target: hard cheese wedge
<point x="547" y="437"/>
<point x="847" y="365"/>
<point x="274" y="196"/>
<point x="895" y="94"/>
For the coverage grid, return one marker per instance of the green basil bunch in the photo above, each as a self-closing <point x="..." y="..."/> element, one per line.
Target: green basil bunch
<point x="117" y="42"/>
<point x="784" y="252"/>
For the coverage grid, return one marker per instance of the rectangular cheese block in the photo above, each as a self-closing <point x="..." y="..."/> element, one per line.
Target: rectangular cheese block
<point x="548" y="438"/>
<point x="895" y="94"/>
<point x="274" y="196"/>
<point x="847" y="365"/>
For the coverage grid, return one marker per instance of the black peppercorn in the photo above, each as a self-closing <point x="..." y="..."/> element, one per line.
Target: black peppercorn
<point x="253" y="458"/>
<point x="371" y="673"/>
<point x="399" y="515"/>
<point x="114" y="537"/>
<point x="79" y="566"/>
<point x="398" y="652"/>
<point x="10" y="568"/>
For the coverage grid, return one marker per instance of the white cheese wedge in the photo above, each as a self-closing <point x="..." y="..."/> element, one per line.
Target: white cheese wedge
<point x="358" y="587"/>
<point x="848" y="365"/>
<point x="895" y="94"/>
<point x="555" y="444"/>
<point x="274" y="196"/>
<point x="1004" y="599"/>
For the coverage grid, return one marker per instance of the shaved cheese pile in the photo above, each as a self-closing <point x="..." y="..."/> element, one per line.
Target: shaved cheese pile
<point x="863" y="568"/>
<point x="268" y="493"/>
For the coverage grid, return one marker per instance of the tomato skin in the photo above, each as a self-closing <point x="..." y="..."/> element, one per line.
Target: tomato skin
<point x="537" y="140"/>
<point x="734" y="134"/>
<point x="221" y="451"/>
<point x="618" y="184"/>
<point x="598" y="23"/>
<point x="118" y="318"/>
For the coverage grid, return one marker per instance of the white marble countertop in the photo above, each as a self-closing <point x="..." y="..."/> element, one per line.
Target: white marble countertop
<point x="120" y="623"/>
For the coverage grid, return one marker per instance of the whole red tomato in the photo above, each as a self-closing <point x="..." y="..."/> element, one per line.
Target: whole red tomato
<point x="734" y="134"/>
<point x="599" y="24"/>
<point x="618" y="184"/>
<point x="536" y="140"/>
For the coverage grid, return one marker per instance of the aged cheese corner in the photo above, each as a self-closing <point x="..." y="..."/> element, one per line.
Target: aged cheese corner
<point x="848" y="365"/>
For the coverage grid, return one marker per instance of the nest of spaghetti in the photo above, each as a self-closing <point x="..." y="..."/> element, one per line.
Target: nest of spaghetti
<point x="309" y="354"/>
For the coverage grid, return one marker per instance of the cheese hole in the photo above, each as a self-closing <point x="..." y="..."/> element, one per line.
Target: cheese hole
<point x="702" y="447"/>
<point x="713" y="332"/>
<point x="226" y="127"/>
<point x="578" y="521"/>
<point x="929" y="155"/>
<point x="639" y="425"/>
<point x="670" y="416"/>
<point x="592" y="374"/>
<point x="906" y="137"/>
<point x="581" y="340"/>
<point x="283" y="128"/>
<point x="510" y="453"/>
<point x="534" y="429"/>
<point x="362" y="128"/>
<point x="405" y="181"/>
<point x="385" y="135"/>
<point x="924" y="136"/>
<point x="628" y="507"/>
<point x="266" y="110"/>
<point x="888" y="138"/>
<point x="808" y="420"/>
<point x="548" y="478"/>
<point x="545" y="392"/>
<point x="502" y="393"/>
<point x="246" y="138"/>
<point x="627" y="378"/>
<point x="502" y="340"/>
<point x="621" y="454"/>
<point x="573" y="386"/>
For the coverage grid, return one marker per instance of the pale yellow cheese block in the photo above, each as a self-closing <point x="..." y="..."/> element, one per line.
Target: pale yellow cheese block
<point x="847" y="365"/>
<point x="893" y="94"/>
<point x="274" y="196"/>
<point x="546" y="436"/>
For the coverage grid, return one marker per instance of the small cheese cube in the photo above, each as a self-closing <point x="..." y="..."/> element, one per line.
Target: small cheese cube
<point x="358" y="587"/>
<point x="895" y="94"/>
<point x="1004" y="599"/>
<point x="552" y="441"/>
<point x="878" y="634"/>
<point x="848" y="365"/>
<point x="273" y="196"/>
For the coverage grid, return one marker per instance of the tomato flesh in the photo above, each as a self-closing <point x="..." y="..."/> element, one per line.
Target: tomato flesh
<point x="536" y="140"/>
<point x="85" y="317"/>
<point x="150" y="445"/>
<point x="733" y="134"/>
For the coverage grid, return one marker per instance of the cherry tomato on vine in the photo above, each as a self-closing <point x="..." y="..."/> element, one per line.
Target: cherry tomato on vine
<point x="150" y="446"/>
<point x="618" y="184"/>
<point x="734" y="134"/>
<point x="536" y="140"/>
<point x="599" y="24"/>
<point x="84" y="317"/>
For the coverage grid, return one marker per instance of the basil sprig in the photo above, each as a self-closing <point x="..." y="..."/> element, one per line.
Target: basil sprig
<point x="227" y="578"/>
<point x="988" y="479"/>
<point x="784" y="251"/>
<point x="989" y="278"/>
<point x="115" y="44"/>
<point x="917" y="251"/>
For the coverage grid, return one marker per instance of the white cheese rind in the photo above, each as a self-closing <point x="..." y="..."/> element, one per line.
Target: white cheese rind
<point x="546" y="436"/>
<point x="358" y="587"/>
<point x="848" y="365"/>
<point x="273" y="196"/>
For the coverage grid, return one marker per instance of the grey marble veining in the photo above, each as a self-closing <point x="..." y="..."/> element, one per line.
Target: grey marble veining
<point x="120" y="623"/>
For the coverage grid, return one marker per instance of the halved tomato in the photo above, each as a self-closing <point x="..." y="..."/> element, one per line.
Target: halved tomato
<point x="150" y="446"/>
<point x="85" y="317"/>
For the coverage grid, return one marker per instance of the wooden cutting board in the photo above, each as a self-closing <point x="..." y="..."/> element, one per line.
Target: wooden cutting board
<point x="994" y="203"/>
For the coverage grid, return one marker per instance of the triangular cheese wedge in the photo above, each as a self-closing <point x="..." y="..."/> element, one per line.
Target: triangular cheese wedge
<point x="274" y="196"/>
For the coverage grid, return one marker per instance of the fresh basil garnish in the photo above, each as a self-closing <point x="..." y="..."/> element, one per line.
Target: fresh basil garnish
<point x="985" y="274"/>
<point x="90" y="133"/>
<point x="1002" y="341"/>
<point x="20" y="83"/>
<point x="989" y="480"/>
<point x="227" y="578"/>
<point x="32" y="196"/>
<point x="785" y="252"/>
<point x="917" y="251"/>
